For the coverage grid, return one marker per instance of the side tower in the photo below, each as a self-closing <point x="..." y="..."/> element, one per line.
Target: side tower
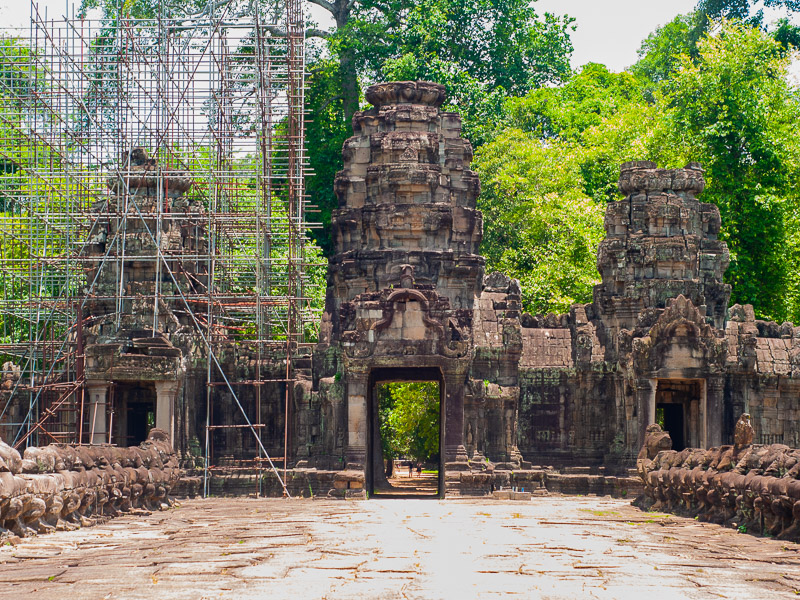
<point x="139" y="335"/>
<point x="662" y="304"/>
<point x="661" y="242"/>
<point x="651" y="345"/>
<point x="403" y="281"/>
<point x="406" y="199"/>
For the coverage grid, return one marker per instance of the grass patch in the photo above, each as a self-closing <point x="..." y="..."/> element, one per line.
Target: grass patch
<point x="600" y="513"/>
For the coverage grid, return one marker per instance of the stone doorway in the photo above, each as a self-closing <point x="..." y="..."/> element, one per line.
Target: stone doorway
<point x="136" y="407"/>
<point x="401" y="485"/>
<point x="679" y="411"/>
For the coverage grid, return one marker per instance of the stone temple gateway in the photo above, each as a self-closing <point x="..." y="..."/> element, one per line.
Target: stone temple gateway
<point x="407" y="293"/>
<point x="408" y="299"/>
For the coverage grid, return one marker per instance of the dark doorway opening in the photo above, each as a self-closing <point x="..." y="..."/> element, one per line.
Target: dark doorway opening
<point x="678" y="411"/>
<point x="141" y="419"/>
<point x="670" y="417"/>
<point x="405" y="452"/>
<point x="134" y="412"/>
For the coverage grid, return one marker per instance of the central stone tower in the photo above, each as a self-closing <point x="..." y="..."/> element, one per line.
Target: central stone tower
<point x="407" y="199"/>
<point x="406" y="273"/>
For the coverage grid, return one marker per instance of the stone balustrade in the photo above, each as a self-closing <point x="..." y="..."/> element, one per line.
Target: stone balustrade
<point x="63" y="487"/>
<point x="755" y="488"/>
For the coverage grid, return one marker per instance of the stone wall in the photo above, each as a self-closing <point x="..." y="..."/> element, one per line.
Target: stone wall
<point x="61" y="487"/>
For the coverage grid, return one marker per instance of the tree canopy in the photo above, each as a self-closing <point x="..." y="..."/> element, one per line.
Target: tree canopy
<point x="409" y="420"/>
<point x="728" y="103"/>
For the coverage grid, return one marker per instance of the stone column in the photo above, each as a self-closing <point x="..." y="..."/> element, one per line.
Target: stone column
<point x="645" y="405"/>
<point x="166" y="392"/>
<point x="715" y="398"/>
<point x="97" y="392"/>
<point x="357" y="423"/>
<point x="455" y="454"/>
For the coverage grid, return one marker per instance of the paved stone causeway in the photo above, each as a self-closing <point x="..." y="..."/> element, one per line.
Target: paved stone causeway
<point x="554" y="547"/>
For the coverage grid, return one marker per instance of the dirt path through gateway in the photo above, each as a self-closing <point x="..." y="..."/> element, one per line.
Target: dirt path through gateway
<point x="556" y="547"/>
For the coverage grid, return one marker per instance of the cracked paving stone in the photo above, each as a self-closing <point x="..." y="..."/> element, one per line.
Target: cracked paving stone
<point x="551" y="548"/>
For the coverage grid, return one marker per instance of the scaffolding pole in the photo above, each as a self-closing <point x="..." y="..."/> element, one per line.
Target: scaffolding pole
<point x="219" y="96"/>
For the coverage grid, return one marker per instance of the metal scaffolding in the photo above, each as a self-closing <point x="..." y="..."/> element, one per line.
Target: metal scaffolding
<point x="217" y="95"/>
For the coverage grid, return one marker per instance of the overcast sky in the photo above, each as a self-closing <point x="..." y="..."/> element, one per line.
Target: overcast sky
<point x="608" y="31"/>
<point x="611" y="31"/>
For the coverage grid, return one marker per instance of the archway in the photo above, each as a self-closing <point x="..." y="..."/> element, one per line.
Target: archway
<point x="377" y="483"/>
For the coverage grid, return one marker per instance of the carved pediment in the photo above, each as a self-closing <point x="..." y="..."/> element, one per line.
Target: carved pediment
<point x="407" y="318"/>
<point x="680" y="338"/>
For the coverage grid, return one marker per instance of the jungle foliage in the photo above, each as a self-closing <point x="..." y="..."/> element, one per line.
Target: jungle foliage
<point x="728" y="103"/>
<point x="711" y="86"/>
<point x="408" y="413"/>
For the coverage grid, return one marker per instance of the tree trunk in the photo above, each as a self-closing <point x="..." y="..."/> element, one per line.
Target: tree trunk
<point x="350" y="91"/>
<point x="347" y="66"/>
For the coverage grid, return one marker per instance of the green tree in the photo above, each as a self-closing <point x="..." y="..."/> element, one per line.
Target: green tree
<point x="734" y="110"/>
<point x="511" y="50"/>
<point x="409" y="420"/>
<point x="546" y="180"/>
<point x="729" y="106"/>
<point x="743" y="10"/>
<point x="660" y="53"/>
<point x="509" y="45"/>
<point x="539" y="226"/>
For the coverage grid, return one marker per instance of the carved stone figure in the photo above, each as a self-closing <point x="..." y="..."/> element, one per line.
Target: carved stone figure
<point x="53" y="489"/>
<point x="744" y="433"/>
<point x="754" y="488"/>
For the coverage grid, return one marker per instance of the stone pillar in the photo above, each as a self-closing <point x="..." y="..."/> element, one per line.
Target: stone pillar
<point x="645" y="405"/>
<point x="715" y="397"/>
<point x="166" y="393"/>
<point x="97" y="393"/>
<point x="357" y="423"/>
<point x="455" y="454"/>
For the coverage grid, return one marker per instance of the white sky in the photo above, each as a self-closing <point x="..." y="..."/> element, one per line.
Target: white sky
<point x="16" y="13"/>
<point x="608" y="31"/>
<point x="611" y="31"/>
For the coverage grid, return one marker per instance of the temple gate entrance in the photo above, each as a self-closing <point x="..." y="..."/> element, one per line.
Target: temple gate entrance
<point x="377" y="483"/>
<point x="135" y="412"/>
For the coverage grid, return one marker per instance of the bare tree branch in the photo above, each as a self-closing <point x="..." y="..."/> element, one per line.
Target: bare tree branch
<point x="318" y="33"/>
<point x="325" y="4"/>
<point x="328" y="101"/>
<point x="310" y="33"/>
<point x="209" y="7"/>
<point x="276" y="31"/>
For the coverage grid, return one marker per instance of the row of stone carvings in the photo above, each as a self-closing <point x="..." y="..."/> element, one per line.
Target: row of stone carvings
<point x="66" y="487"/>
<point x="755" y="488"/>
